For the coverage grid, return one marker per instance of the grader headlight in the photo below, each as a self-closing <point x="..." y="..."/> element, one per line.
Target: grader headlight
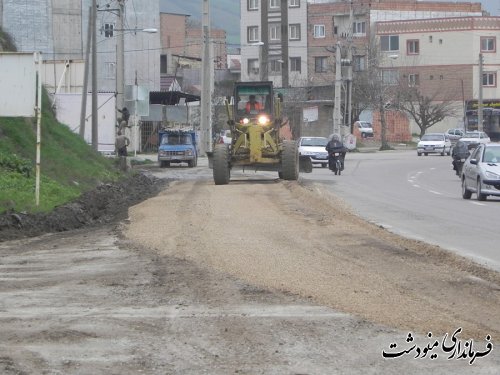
<point x="263" y="120"/>
<point x="245" y="121"/>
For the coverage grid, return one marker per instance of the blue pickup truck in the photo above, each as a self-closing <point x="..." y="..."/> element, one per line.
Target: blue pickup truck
<point x="177" y="146"/>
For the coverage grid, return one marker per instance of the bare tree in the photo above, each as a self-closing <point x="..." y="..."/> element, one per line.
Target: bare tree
<point x="426" y="111"/>
<point x="375" y="88"/>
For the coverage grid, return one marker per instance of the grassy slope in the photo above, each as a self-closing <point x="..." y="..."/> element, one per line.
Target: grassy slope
<point x="68" y="165"/>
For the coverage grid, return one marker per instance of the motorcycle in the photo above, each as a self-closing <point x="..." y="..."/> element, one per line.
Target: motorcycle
<point x="336" y="162"/>
<point x="458" y="165"/>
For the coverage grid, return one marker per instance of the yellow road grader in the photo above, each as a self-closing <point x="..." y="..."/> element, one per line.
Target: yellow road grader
<point x="258" y="137"/>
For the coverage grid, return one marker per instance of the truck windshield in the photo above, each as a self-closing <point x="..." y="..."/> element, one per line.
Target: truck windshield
<point x="176" y="139"/>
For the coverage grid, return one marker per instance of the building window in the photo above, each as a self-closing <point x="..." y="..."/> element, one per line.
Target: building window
<point x="319" y="31"/>
<point x="390" y="77"/>
<point x="253" y="4"/>
<point x="274" y="32"/>
<point x="488" y="44"/>
<point x="110" y="70"/>
<point x="294" y="31"/>
<point x="274" y="4"/>
<point x="489" y="79"/>
<point x="253" y="66"/>
<point x="163" y="64"/>
<point x="413" y="80"/>
<point x="412" y="47"/>
<point x="389" y="43"/>
<point x="320" y="64"/>
<point x="253" y="34"/>
<point x="294" y="3"/>
<point x="275" y="66"/>
<point x="108" y="30"/>
<point x="359" y="28"/>
<point x="295" y="64"/>
<point x="431" y="77"/>
<point x="430" y="38"/>
<point x="359" y="63"/>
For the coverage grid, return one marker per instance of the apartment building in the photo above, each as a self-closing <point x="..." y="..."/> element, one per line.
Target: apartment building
<point x="441" y="57"/>
<point x="269" y="37"/>
<point x="352" y="22"/>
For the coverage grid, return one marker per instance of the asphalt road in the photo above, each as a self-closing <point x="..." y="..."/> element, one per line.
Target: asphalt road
<point x="420" y="198"/>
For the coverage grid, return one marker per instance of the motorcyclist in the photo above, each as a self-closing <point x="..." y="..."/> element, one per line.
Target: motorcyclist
<point x="335" y="145"/>
<point x="459" y="152"/>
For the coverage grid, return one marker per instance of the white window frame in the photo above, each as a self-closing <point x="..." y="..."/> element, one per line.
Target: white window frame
<point x="392" y="41"/>
<point x="275" y="32"/>
<point x="488" y="44"/>
<point x="273" y="4"/>
<point x="319" y="31"/>
<point x="359" y="63"/>
<point x="110" y="70"/>
<point x="491" y="79"/>
<point x="294" y="31"/>
<point x="413" y="47"/>
<point x="253" y="66"/>
<point x="253" y="34"/>
<point x="294" y="3"/>
<point x="253" y="4"/>
<point x="359" y="28"/>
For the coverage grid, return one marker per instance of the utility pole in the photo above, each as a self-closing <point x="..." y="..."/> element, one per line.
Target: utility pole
<point x="337" y="117"/>
<point x="284" y="44"/>
<point x="264" y="37"/>
<point x="95" y="137"/>
<point x="120" y="57"/>
<point x="348" y="105"/>
<point x="480" y="101"/>
<point x="83" y="111"/>
<point x="206" y="82"/>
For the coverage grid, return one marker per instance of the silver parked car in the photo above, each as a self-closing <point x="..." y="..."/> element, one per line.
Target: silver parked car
<point x="314" y="147"/>
<point x="481" y="172"/>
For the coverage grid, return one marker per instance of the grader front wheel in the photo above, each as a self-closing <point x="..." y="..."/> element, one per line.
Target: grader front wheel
<point x="290" y="161"/>
<point x="221" y="169"/>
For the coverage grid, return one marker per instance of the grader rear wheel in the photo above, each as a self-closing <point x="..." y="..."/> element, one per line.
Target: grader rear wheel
<point x="290" y="161"/>
<point x="221" y="169"/>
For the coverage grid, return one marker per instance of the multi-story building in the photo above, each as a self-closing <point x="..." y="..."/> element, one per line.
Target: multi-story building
<point x="58" y="28"/>
<point x="269" y="37"/>
<point x="182" y="46"/>
<point x="351" y="24"/>
<point x="441" y="57"/>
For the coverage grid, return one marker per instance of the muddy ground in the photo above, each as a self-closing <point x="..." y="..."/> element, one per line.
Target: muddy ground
<point x="108" y="202"/>
<point x="260" y="276"/>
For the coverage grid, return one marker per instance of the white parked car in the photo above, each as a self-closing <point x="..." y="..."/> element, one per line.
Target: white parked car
<point x="434" y="143"/>
<point x="475" y="138"/>
<point x="481" y="172"/>
<point x="365" y="128"/>
<point x="314" y="147"/>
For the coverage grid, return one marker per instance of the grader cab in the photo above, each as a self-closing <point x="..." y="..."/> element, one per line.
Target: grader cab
<point x="257" y="139"/>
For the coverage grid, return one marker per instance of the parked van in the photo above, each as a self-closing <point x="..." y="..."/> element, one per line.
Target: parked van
<point x="364" y="128"/>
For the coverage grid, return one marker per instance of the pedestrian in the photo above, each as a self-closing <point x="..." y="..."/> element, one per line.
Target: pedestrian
<point x="125" y="115"/>
<point x="121" y="144"/>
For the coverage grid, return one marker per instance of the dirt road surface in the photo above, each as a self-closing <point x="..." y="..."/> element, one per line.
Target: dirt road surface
<point x="260" y="276"/>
